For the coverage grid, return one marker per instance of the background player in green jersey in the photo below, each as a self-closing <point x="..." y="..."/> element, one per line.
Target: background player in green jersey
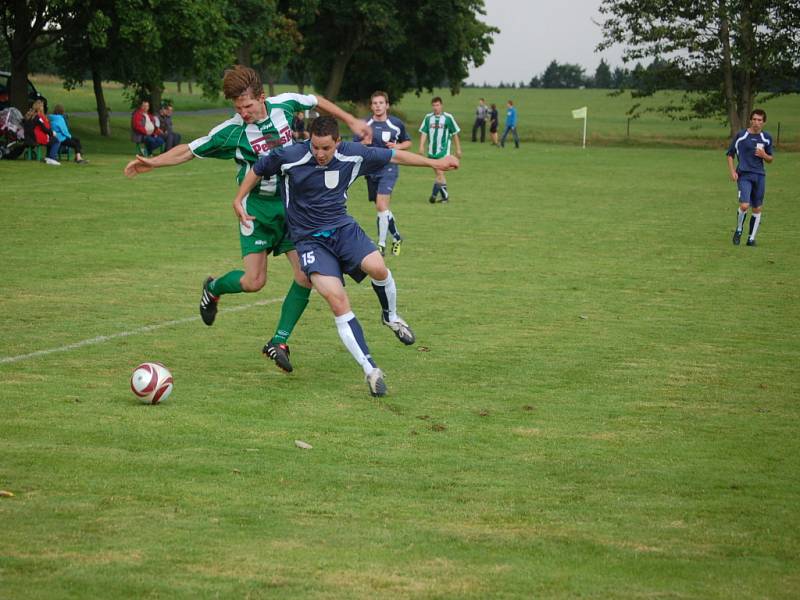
<point x="260" y="125"/>
<point x="438" y="129"/>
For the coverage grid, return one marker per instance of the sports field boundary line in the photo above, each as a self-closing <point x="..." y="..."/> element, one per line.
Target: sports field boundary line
<point x="100" y="339"/>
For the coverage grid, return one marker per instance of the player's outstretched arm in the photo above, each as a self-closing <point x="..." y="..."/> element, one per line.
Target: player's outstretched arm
<point x="248" y="183"/>
<point x="409" y="159"/>
<point x="176" y="156"/>
<point x="357" y="126"/>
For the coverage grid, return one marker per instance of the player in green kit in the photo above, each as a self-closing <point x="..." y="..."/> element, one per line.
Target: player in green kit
<point x="260" y="125"/>
<point x="438" y="129"/>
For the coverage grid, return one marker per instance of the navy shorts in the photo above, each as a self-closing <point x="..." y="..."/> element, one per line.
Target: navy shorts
<point x="340" y="253"/>
<point x="751" y="188"/>
<point x="382" y="182"/>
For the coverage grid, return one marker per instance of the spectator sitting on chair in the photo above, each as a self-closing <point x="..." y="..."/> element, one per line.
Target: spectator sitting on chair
<point x="58" y="122"/>
<point x="171" y="137"/>
<point x="299" y="132"/>
<point x="36" y="121"/>
<point x="144" y="130"/>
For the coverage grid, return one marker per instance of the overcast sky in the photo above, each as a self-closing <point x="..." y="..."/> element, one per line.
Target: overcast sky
<point x="535" y="32"/>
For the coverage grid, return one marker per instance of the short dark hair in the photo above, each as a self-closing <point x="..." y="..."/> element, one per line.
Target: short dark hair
<point x="323" y="126"/>
<point x="437" y="99"/>
<point x="758" y="111"/>
<point x="58" y="110"/>
<point x="378" y="93"/>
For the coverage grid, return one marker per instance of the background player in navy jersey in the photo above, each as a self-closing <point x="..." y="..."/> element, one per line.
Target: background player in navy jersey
<point x="330" y="243"/>
<point x="751" y="146"/>
<point x="387" y="132"/>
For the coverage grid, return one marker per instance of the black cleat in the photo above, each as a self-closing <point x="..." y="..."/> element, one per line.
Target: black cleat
<point x="208" y="304"/>
<point x="737" y="237"/>
<point x="751" y="242"/>
<point x="279" y="353"/>
<point x="382" y="249"/>
<point x="432" y="199"/>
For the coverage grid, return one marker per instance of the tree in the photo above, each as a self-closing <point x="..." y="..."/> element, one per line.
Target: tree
<point x="558" y="76"/>
<point x="29" y="25"/>
<point x="602" y="75"/>
<point x="354" y="47"/>
<point x="726" y="51"/>
<point x="123" y="40"/>
<point x="619" y="78"/>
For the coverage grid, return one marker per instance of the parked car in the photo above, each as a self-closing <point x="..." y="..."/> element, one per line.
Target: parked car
<point x="33" y="93"/>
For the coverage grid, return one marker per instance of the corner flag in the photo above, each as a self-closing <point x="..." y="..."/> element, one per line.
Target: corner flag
<point x="581" y="113"/>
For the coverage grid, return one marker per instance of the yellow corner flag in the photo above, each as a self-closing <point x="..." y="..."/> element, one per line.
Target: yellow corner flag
<point x="579" y="113"/>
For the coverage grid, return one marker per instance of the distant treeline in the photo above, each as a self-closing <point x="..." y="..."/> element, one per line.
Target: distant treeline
<point x="659" y="74"/>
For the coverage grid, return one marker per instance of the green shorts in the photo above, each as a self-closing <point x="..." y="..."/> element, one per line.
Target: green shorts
<point x="268" y="232"/>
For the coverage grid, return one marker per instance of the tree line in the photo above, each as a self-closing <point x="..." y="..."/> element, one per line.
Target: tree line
<point x="344" y="48"/>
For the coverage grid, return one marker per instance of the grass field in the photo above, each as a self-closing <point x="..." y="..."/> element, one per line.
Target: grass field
<point x="602" y="402"/>
<point x="544" y="115"/>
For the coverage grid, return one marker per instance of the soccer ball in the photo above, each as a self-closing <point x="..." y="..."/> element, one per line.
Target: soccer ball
<point x="151" y="382"/>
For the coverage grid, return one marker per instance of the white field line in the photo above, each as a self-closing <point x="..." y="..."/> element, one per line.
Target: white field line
<point x="101" y="339"/>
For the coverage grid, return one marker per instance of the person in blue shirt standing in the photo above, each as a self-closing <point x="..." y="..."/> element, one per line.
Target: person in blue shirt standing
<point x="58" y="123"/>
<point x="387" y="132"/>
<point x="511" y="125"/>
<point x="316" y="177"/>
<point x="751" y="146"/>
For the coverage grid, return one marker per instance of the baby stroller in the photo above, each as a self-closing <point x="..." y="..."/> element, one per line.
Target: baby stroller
<point x="12" y="133"/>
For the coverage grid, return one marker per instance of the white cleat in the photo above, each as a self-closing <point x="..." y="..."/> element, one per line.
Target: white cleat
<point x="401" y="330"/>
<point x="377" y="386"/>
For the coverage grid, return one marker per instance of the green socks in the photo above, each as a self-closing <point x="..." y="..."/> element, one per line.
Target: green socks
<point x="293" y="306"/>
<point x="230" y="283"/>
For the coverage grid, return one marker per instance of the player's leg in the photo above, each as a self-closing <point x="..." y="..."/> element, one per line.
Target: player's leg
<point x="349" y="329"/>
<point x="756" y="204"/>
<point x="386" y="221"/>
<point x="436" y="186"/>
<point x="251" y="279"/>
<point x="386" y="290"/>
<point x="744" y="186"/>
<point x="292" y="308"/>
<point x="440" y="178"/>
<point x="516" y="137"/>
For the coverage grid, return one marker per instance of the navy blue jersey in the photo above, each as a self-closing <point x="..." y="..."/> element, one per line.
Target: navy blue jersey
<point x="316" y="195"/>
<point x="743" y="145"/>
<point x="390" y="131"/>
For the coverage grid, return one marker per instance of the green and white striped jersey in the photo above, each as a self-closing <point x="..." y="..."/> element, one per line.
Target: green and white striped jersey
<point x="246" y="143"/>
<point x="439" y="131"/>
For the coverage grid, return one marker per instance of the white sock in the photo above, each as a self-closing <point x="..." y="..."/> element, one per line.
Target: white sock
<point x="757" y="217"/>
<point x="383" y="226"/>
<point x="741" y="216"/>
<point x="390" y="290"/>
<point x="345" y="326"/>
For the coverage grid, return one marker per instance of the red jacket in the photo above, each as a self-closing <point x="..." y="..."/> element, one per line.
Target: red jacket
<point x="139" y="120"/>
<point x="42" y="129"/>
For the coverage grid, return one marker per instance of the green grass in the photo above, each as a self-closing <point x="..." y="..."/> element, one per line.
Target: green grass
<point x="544" y="115"/>
<point x="607" y="406"/>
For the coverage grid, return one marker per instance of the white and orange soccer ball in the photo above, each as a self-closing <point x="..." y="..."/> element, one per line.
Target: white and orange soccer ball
<point x="151" y="382"/>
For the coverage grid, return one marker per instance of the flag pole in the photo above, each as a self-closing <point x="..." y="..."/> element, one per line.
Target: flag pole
<point x="585" y="118"/>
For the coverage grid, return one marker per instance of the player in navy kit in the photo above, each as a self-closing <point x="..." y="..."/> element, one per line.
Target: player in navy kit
<point x="751" y="146"/>
<point x="387" y="132"/>
<point x="316" y="176"/>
